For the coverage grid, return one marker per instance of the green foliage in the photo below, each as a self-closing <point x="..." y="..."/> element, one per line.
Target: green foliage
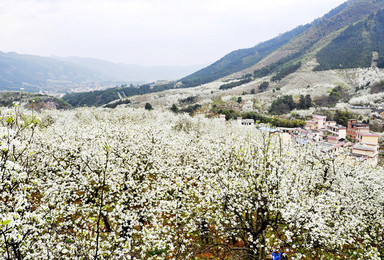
<point x="274" y="121"/>
<point x="377" y="36"/>
<point x="188" y="100"/>
<point x="340" y="116"/>
<point x="253" y="91"/>
<point x="33" y="101"/>
<point x="191" y="109"/>
<point x="349" y="50"/>
<point x="353" y="47"/>
<point x="174" y="109"/>
<point x="263" y="86"/>
<point x="335" y="95"/>
<point x="376" y="127"/>
<point x="285" y="104"/>
<point x="305" y="102"/>
<point x="4" y="222"/>
<point x="157" y="252"/>
<point x="277" y="66"/>
<point x="282" y="105"/>
<point x="239" y="100"/>
<point x="286" y="70"/>
<point x="148" y="106"/>
<point x="102" y="97"/>
<point x="235" y="84"/>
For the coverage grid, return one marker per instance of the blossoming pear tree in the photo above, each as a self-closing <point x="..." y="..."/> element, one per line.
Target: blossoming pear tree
<point x="133" y="184"/>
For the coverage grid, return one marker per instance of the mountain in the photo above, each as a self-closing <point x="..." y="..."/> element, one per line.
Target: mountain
<point x="349" y="36"/>
<point x="54" y="74"/>
<point x="34" y="73"/>
<point x="321" y="39"/>
<point x="132" y="72"/>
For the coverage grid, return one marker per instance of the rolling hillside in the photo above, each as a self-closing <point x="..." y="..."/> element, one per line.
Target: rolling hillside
<point x="34" y="73"/>
<point x="61" y="75"/>
<point x="304" y="40"/>
<point x="349" y="36"/>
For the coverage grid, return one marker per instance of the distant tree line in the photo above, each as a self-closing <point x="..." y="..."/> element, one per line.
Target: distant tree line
<point x="276" y="66"/>
<point x="285" y="71"/>
<point x="263" y="86"/>
<point x="235" y="84"/>
<point x="286" y="104"/>
<point x="188" y="100"/>
<point x="191" y="109"/>
<point x="102" y="97"/>
<point x="335" y="95"/>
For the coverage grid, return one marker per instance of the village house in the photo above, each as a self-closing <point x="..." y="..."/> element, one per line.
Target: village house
<point x="336" y="133"/>
<point x="245" y="122"/>
<point x="317" y="122"/>
<point x="367" y="146"/>
<point x="354" y="127"/>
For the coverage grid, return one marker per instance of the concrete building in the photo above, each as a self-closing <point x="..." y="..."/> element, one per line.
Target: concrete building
<point x="246" y="122"/>
<point x="317" y="122"/>
<point x="320" y="121"/>
<point x="354" y="127"/>
<point x="337" y="131"/>
<point x="367" y="146"/>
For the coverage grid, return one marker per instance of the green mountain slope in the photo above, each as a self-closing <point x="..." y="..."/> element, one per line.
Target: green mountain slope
<point x="102" y="97"/>
<point x="299" y="40"/>
<point x="355" y="47"/>
<point x="348" y="35"/>
<point x="240" y="59"/>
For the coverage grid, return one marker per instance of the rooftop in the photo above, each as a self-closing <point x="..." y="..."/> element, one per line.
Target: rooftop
<point x="363" y="147"/>
<point x="367" y="134"/>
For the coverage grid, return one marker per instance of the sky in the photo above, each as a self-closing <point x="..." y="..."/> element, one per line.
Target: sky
<point x="149" y="32"/>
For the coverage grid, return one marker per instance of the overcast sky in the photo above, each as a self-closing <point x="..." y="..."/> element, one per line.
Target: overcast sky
<point x="149" y="32"/>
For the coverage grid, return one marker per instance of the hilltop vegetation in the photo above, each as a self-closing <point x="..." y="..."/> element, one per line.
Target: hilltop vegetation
<point x="353" y="48"/>
<point x="32" y="101"/>
<point x="270" y="56"/>
<point x="102" y="97"/>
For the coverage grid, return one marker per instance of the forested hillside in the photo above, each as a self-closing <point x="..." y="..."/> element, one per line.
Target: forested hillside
<point x="240" y="59"/>
<point x="102" y="97"/>
<point x="354" y="47"/>
<point x="302" y="40"/>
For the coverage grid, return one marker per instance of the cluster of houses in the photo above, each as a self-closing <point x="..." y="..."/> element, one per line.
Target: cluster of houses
<point x="328" y="136"/>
